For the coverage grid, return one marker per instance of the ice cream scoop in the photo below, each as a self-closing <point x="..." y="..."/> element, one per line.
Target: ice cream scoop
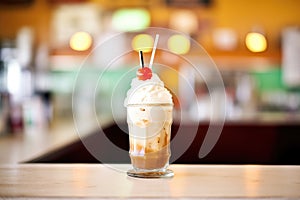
<point x="150" y="91"/>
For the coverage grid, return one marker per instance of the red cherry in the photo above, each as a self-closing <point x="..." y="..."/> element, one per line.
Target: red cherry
<point x="144" y="73"/>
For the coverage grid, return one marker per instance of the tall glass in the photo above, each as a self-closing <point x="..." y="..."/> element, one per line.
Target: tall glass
<point x="149" y="137"/>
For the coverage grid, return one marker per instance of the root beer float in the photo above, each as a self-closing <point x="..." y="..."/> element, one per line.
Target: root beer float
<point x="149" y="117"/>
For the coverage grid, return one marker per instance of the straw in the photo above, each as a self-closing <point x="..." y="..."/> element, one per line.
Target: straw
<point x="141" y="59"/>
<point x="153" y="51"/>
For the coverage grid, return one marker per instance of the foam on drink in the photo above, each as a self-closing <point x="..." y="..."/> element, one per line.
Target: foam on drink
<point x="151" y="91"/>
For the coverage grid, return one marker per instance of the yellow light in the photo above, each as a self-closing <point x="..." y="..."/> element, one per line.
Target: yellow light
<point x="179" y="44"/>
<point x="256" y="42"/>
<point x="81" y="41"/>
<point x="142" y="42"/>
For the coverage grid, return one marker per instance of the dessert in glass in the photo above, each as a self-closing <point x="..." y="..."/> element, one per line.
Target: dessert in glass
<point x="149" y="117"/>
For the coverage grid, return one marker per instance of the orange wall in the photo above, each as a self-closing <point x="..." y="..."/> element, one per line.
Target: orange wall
<point x="271" y="15"/>
<point x="37" y="16"/>
<point x="241" y="15"/>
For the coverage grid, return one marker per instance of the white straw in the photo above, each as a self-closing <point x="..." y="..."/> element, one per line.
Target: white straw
<point x="153" y="51"/>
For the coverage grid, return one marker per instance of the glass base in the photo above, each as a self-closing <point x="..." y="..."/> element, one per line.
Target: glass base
<point x="150" y="174"/>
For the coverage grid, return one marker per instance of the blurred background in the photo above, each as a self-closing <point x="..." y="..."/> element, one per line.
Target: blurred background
<point x="254" y="44"/>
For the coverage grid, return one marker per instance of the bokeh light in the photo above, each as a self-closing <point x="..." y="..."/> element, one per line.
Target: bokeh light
<point x="256" y="42"/>
<point x="184" y="20"/>
<point x="142" y="42"/>
<point x="81" y="41"/>
<point x="131" y="19"/>
<point x="179" y="44"/>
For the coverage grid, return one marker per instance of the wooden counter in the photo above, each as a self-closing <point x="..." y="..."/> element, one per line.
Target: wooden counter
<point x="190" y="181"/>
<point x="30" y="144"/>
<point x="20" y="147"/>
